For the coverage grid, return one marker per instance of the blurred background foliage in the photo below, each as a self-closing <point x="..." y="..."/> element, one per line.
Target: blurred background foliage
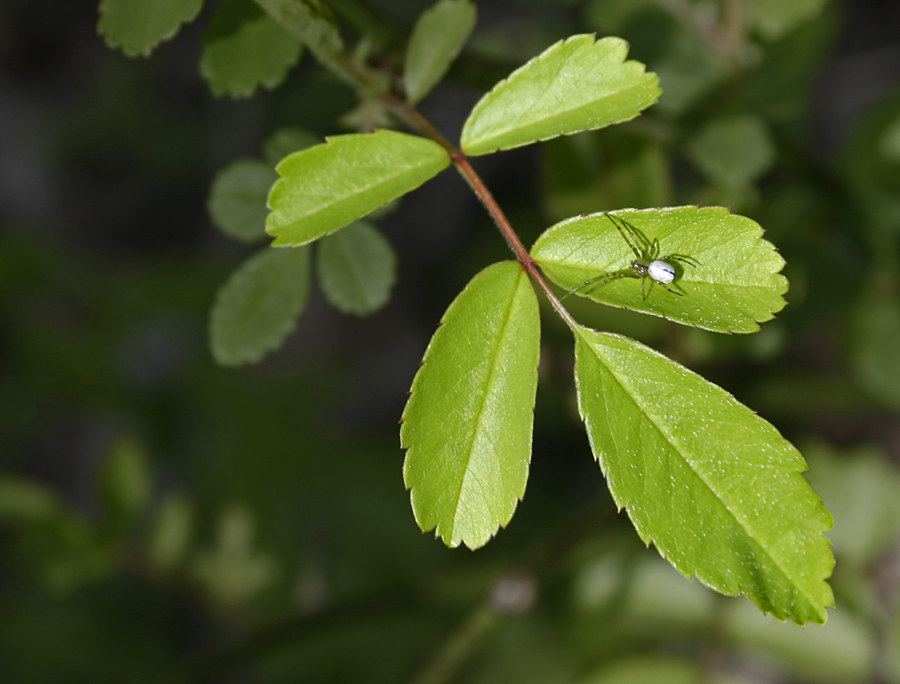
<point x="165" y="519"/>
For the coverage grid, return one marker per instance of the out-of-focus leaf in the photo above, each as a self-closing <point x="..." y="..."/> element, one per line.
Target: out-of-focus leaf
<point x="232" y="570"/>
<point x="125" y="484"/>
<point x="841" y="652"/>
<point x="437" y="39"/>
<point x="309" y="21"/>
<point x="259" y="306"/>
<point x="775" y="18"/>
<point x="22" y="501"/>
<point x="647" y="670"/>
<point x="138" y="26"/>
<point x="736" y="284"/>
<point x="861" y="488"/>
<point x="733" y="151"/>
<point x="467" y="426"/>
<point x="325" y="187"/>
<point x="170" y="536"/>
<point x="244" y="48"/>
<point x="237" y="199"/>
<point x="286" y="141"/>
<point x="716" y="488"/>
<point x="577" y="84"/>
<point x="357" y="269"/>
<point x="875" y="339"/>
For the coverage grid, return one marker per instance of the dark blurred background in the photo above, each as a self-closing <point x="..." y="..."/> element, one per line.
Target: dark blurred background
<point x="165" y="519"/>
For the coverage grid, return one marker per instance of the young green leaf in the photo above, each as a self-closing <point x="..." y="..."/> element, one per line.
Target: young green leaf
<point x="259" y="306"/>
<point x="314" y="26"/>
<point x="467" y="425"/>
<point x="715" y="487"/>
<point x="138" y="26"/>
<point x="439" y="35"/>
<point x="237" y="199"/>
<point x="575" y="85"/>
<point x="244" y="48"/>
<point x="735" y="284"/>
<point x="357" y="269"/>
<point x="286" y="141"/>
<point x="875" y="339"/>
<point x="325" y="187"/>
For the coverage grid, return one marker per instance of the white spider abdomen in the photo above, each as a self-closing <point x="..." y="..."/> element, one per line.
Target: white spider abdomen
<point x="661" y="272"/>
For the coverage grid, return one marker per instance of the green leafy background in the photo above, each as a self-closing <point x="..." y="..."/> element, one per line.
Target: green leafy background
<point x="163" y="518"/>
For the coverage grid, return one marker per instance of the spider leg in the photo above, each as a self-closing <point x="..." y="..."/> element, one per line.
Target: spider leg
<point x="671" y="288"/>
<point x="603" y="278"/>
<point x="653" y="252"/>
<point x="683" y="258"/>
<point x="627" y="231"/>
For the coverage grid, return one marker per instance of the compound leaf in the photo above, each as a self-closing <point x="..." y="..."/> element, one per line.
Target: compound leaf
<point x="259" y="306"/>
<point x="237" y="199"/>
<point x="439" y="35"/>
<point x="735" y="285"/>
<point x="575" y="85"/>
<point x="325" y="187"/>
<point x="715" y="487"/>
<point x="138" y="26"/>
<point x="244" y="48"/>
<point x="467" y="426"/>
<point x="357" y="269"/>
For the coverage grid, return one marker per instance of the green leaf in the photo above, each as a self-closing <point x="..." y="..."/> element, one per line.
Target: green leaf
<point x="437" y="39"/>
<point x="775" y="18"/>
<point x="715" y="487"/>
<point x="170" y="535"/>
<point x="875" y="339"/>
<point x="316" y="29"/>
<point x="646" y="669"/>
<point x="735" y="286"/>
<point x="244" y="48"/>
<point x="286" y="141"/>
<point x="327" y="186"/>
<point x="575" y="85"/>
<point x="357" y="269"/>
<point x="237" y="199"/>
<point x="138" y="26"/>
<point x="259" y="306"/>
<point x="467" y="425"/>
<point x="733" y="151"/>
<point x="125" y="485"/>
<point x="24" y="501"/>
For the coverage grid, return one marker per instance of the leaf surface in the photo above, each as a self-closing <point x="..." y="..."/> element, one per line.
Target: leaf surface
<point x="468" y="423"/>
<point x="244" y="48"/>
<point x="237" y="199"/>
<point x="357" y="269"/>
<point x="437" y="39"/>
<point x="138" y="26"/>
<point x="734" y="150"/>
<point x="259" y="306"/>
<point x="325" y="187"/>
<point x="575" y="85"/>
<point x="716" y="488"/>
<point x="735" y="286"/>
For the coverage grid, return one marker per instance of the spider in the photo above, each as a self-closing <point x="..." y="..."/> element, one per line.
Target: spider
<point x="646" y="265"/>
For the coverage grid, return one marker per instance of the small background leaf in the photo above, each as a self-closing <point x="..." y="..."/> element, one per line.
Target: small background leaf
<point x="467" y="426"/>
<point x="237" y="199"/>
<point x="138" y="26"/>
<point x="327" y="186"/>
<point x="244" y="48"/>
<point x="357" y="269"/>
<point x="775" y="18"/>
<point x="733" y="151"/>
<point x="288" y="140"/>
<point x="437" y="39"/>
<point x="259" y="306"/>
<point x="875" y="339"/>
<point x="575" y="85"/>
<point x="716" y="488"/>
<point x="736" y="284"/>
